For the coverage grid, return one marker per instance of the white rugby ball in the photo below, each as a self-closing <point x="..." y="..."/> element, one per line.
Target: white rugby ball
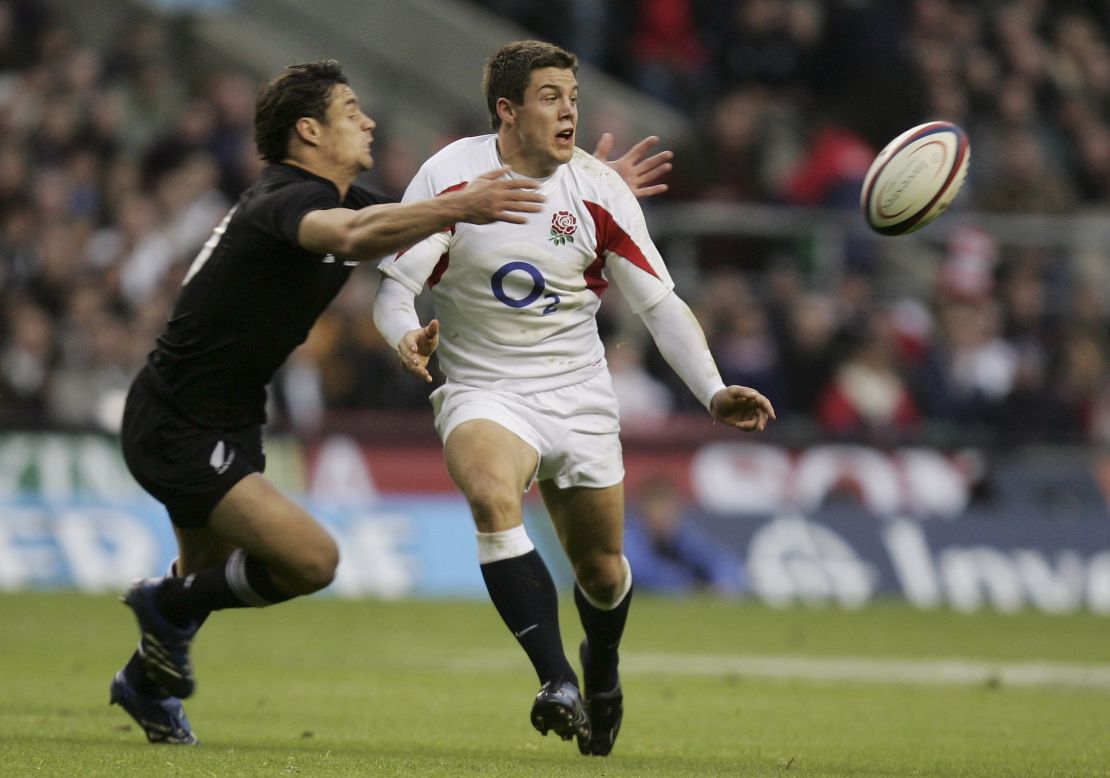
<point x="915" y="178"/>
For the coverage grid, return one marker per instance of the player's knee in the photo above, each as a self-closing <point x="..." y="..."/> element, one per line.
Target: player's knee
<point x="601" y="576"/>
<point x="494" y="506"/>
<point x="316" y="567"/>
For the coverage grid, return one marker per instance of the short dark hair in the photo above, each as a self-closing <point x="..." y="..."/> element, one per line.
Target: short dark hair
<point x="301" y="90"/>
<point x="507" y="72"/>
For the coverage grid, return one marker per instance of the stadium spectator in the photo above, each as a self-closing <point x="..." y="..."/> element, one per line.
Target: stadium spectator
<point x="868" y="397"/>
<point x="970" y="371"/>
<point x="26" y="359"/>
<point x="808" y="342"/>
<point x="643" y="400"/>
<point x="666" y="56"/>
<point x="670" y="553"/>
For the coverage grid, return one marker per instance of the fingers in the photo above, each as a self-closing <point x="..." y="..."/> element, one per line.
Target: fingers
<point x="505" y="199"/>
<point x="493" y="175"/>
<point x="524" y="187"/>
<point x="756" y="423"/>
<point x="604" y="146"/>
<point x="648" y="191"/>
<point x="746" y="409"/>
<point x="414" y="363"/>
<point x="416" y="347"/>
<point x="642" y="148"/>
<point x="657" y="165"/>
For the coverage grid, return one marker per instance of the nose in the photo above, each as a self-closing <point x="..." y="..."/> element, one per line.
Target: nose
<point x="369" y="124"/>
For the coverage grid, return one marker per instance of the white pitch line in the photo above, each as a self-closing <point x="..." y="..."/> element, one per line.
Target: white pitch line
<point x="953" y="671"/>
<point x="967" y="672"/>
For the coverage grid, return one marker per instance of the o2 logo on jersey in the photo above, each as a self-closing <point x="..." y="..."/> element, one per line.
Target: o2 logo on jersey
<point x="539" y="285"/>
<point x="563" y="227"/>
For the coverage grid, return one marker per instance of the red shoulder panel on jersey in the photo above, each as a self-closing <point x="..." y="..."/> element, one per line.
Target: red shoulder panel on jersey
<point x="610" y="237"/>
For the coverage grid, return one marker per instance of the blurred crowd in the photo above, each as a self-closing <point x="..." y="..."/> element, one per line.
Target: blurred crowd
<point x="116" y="161"/>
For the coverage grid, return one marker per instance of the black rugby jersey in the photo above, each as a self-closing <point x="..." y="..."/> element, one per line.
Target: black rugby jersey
<point x="249" y="298"/>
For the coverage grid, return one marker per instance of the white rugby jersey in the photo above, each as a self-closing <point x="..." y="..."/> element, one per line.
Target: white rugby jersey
<point x="517" y="302"/>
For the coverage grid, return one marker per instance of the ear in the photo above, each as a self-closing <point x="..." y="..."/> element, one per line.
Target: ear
<point x="506" y="111"/>
<point x="308" y="130"/>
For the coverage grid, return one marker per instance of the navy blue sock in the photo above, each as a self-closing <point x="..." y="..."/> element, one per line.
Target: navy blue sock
<point x="524" y="594"/>
<point x="603" y="636"/>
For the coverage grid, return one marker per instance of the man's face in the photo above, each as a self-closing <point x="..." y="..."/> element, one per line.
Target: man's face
<point x="547" y="119"/>
<point x="348" y="132"/>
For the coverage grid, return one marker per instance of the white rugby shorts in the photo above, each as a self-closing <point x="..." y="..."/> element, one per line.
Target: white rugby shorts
<point x="575" y="430"/>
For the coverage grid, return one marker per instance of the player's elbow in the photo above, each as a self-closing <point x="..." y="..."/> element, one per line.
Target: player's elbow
<point x="351" y="242"/>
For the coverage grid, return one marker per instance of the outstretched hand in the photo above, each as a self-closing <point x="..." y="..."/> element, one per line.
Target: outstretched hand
<point x="493" y="197"/>
<point x="416" y="347"/>
<point x="639" y="173"/>
<point x="742" y="408"/>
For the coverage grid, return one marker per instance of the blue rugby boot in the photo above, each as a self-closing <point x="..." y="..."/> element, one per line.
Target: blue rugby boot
<point x="558" y="708"/>
<point x="605" y="710"/>
<point x="162" y="719"/>
<point x="164" y="647"/>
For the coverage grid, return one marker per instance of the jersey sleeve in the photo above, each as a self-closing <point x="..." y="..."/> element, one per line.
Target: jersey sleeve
<point x="280" y="211"/>
<point x="631" y="258"/>
<point x="413" y="266"/>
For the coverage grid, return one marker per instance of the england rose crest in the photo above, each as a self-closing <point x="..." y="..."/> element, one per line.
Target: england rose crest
<point x="563" y="227"/>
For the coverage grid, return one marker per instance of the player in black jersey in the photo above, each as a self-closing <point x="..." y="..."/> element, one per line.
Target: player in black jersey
<point x="192" y="425"/>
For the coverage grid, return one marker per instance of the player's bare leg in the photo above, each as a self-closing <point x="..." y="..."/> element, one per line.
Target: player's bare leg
<point x="590" y="524"/>
<point x="259" y="548"/>
<point x="492" y="467"/>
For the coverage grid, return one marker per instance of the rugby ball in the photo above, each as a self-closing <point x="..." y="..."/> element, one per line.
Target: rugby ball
<point x="915" y="178"/>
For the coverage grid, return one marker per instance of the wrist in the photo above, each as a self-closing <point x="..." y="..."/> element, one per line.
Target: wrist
<point x="711" y="395"/>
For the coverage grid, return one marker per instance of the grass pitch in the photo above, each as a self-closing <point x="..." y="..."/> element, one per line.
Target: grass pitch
<point x="325" y="687"/>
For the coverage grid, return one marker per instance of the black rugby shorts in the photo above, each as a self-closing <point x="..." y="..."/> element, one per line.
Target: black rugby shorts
<point x="186" y="467"/>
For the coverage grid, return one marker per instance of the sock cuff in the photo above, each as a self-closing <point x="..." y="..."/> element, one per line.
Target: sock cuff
<point x="626" y="587"/>
<point x="236" y="573"/>
<point x="509" y="543"/>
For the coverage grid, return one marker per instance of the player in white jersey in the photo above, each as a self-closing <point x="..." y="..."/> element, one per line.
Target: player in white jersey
<point x="528" y="397"/>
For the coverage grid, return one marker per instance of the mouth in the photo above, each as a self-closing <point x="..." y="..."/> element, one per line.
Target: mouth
<point x="565" y="138"/>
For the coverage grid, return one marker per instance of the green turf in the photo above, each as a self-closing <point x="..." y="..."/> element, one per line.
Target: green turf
<point x="325" y="687"/>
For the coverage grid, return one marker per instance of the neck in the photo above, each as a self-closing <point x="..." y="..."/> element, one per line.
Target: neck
<point x="342" y="180"/>
<point x="513" y="153"/>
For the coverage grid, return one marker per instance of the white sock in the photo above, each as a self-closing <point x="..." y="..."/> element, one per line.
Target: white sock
<point x="509" y="543"/>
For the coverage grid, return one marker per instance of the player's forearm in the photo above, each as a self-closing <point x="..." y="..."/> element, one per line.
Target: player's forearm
<point x="380" y="230"/>
<point x="682" y="343"/>
<point x="395" y="311"/>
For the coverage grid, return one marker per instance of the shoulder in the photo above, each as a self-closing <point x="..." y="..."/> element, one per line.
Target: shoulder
<point x="596" y="176"/>
<point x="281" y="198"/>
<point x="359" y="196"/>
<point x="463" y="153"/>
<point x="285" y="182"/>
